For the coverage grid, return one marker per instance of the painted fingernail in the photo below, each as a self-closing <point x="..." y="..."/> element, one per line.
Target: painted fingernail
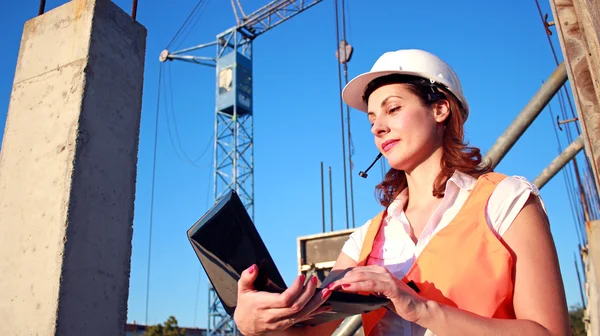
<point x="331" y="285"/>
<point x="328" y="308"/>
<point x="302" y="278"/>
<point x="345" y="285"/>
<point x="252" y="269"/>
<point x="314" y="280"/>
<point x="325" y="293"/>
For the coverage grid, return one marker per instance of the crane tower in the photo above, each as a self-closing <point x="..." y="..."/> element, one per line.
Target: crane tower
<point x="234" y="127"/>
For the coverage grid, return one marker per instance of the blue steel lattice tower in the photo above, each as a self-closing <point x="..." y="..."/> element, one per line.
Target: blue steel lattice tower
<point x="234" y="150"/>
<point x="234" y="129"/>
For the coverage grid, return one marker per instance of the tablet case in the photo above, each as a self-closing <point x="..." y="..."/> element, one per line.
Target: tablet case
<point x="227" y="242"/>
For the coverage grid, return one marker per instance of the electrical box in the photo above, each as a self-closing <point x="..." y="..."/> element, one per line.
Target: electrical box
<point x="317" y="253"/>
<point x="234" y="84"/>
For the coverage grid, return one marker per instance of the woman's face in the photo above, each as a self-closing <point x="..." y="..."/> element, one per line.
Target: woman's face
<point x="406" y="131"/>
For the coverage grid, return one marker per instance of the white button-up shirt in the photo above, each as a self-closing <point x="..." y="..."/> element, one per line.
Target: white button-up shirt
<point x="394" y="249"/>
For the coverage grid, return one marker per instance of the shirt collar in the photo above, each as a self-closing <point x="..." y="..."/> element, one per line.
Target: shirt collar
<point x="462" y="180"/>
<point x="459" y="179"/>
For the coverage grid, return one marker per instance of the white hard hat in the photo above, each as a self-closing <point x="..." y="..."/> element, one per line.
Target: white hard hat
<point x="413" y="62"/>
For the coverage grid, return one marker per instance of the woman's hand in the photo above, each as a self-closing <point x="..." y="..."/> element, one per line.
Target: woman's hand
<point x="377" y="279"/>
<point x="260" y="312"/>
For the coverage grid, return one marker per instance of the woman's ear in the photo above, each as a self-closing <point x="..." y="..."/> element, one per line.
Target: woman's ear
<point x="441" y="110"/>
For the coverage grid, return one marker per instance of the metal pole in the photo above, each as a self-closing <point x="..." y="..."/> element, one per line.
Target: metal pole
<point x="42" y="7"/>
<point x="348" y="117"/>
<point x="350" y="163"/>
<point x="330" y="200"/>
<point x="535" y="106"/>
<point x="134" y="9"/>
<point x="559" y="162"/>
<point x="322" y="197"/>
<point x="337" y="32"/>
<point x="349" y="326"/>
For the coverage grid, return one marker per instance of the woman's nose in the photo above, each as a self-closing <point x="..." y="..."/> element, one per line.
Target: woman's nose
<point x="379" y="128"/>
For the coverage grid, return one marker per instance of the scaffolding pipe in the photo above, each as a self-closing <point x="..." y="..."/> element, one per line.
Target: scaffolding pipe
<point x="322" y="197"/>
<point x="349" y="326"/>
<point x="559" y="162"/>
<point x="535" y="106"/>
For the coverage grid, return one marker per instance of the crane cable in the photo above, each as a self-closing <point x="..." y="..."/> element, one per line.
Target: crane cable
<point x="152" y="188"/>
<point x="575" y="214"/>
<point x="171" y="119"/>
<point x="161" y="74"/>
<point x="177" y="34"/>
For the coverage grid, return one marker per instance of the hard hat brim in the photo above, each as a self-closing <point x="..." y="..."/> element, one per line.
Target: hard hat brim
<point x="353" y="91"/>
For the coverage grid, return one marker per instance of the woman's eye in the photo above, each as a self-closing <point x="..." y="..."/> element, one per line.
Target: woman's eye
<point x="394" y="109"/>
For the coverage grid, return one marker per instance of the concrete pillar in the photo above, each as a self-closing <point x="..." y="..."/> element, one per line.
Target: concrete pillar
<point x="68" y="171"/>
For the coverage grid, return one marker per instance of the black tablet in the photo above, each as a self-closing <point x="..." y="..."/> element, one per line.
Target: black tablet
<point x="227" y="242"/>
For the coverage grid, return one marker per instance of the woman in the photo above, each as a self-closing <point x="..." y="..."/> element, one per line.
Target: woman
<point x="458" y="250"/>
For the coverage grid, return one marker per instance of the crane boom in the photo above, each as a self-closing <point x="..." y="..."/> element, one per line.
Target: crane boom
<point x="271" y="15"/>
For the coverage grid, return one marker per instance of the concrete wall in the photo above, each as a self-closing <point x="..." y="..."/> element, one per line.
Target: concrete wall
<point x="67" y="172"/>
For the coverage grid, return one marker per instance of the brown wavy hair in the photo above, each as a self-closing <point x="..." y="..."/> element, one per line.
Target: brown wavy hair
<point x="457" y="155"/>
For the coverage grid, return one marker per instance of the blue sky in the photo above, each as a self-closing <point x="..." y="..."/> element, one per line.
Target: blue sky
<point x="498" y="49"/>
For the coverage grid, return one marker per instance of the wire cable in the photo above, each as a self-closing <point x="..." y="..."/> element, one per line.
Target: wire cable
<point x="193" y="24"/>
<point x="567" y="186"/>
<point x="587" y="164"/>
<point x="556" y="61"/>
<point x="184" y="23"/>
<point x="179" y="148"/>
<point x="582" y="194"/>
<point x="170" y="113"/>
<point x="152" y="188"/>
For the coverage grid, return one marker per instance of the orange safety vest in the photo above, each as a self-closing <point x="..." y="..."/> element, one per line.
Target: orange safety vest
<point x="465" y="265"/>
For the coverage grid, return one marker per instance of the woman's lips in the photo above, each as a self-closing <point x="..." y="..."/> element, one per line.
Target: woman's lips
<point x="387" y="145"/>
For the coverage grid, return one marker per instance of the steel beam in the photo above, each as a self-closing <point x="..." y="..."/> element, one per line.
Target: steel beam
<point x="535" y="106"/>
<point x="559" y="162"/>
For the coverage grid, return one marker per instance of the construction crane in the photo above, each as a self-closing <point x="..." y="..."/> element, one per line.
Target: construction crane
<point x="234" y="127"/>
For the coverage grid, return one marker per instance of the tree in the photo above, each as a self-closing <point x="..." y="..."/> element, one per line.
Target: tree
<point x="169" y="329"/>
<point x="576" y="317"/>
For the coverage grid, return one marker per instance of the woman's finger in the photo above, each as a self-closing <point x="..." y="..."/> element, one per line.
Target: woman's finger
<point x="358" y="276"/>
<point x="365" y="286"/>
<point x="287" y="298"/>
<point x="315" y="302"/>
<point x="297" y="305"/>
<point x="247" y="278"/>
<point x="312" y="308"/>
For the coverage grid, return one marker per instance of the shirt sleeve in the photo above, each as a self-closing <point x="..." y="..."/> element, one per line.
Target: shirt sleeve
<point x="353" y="245"/>
<point x="507" y="200"/>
